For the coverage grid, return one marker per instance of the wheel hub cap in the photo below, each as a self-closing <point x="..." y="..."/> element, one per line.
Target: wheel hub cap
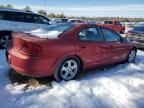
<point x="132" y="56"/>
<point x="6" y="41"/>
<point x="69" y="70"/>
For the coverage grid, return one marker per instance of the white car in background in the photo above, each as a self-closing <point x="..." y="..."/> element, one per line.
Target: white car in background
<point x="75" y="21"/>
<point x="14" y="20"/>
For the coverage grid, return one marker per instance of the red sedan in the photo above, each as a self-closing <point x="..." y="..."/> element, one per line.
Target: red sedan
<point x="66" y="49"/>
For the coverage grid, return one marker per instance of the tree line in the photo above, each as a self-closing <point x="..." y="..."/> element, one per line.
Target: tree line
<point x="53" y="15"/>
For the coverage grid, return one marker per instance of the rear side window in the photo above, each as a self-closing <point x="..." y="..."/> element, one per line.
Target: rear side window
<point x="16" y="16"/>
<point x="110" y="35"/>
<point x="40" y="19"/>
<point x="90" y="34"/>
<point x="2" y="16"/>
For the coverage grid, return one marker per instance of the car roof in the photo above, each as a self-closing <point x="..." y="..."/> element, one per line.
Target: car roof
<point x="88" y="24"/>
<point x="14" y="10"/>
<point x="91" y="25"/>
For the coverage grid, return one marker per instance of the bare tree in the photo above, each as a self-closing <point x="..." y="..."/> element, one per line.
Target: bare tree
<point x="9" y="6"/>
<point x="27" y="8"/>
<point x="42" y="12"/>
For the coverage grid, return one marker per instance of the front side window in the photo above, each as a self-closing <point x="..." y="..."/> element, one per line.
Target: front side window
<point x="44" y="20"/>
<point x="16" y="16"/>
<point x="37" y="20"/>
<point x="29" y="18"/>
<point x="110" y="35"/>
<point x="90" y="34"/>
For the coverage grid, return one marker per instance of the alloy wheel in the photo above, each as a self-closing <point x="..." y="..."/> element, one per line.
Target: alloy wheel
<point x="132" y="56"/>
<point x="69" y="70"/>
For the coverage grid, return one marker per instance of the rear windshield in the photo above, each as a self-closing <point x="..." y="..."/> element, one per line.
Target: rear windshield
<point x="60" y="28"/>
<point x="51" y="32"/>
<point x="139" y="28"/>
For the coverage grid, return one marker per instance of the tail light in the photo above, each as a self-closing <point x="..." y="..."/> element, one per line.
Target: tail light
<point x="30" y="49"/>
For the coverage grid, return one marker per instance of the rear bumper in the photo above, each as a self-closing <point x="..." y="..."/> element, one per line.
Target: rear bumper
<point x="30" y="66"/>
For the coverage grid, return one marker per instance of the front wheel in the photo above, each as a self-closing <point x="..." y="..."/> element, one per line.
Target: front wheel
<point x="131" y="56"/>
<point x="68" y="69"/>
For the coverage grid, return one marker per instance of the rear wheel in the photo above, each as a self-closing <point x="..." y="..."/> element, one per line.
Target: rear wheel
<point x="68" y="69"/>
<point x="5" y="40"/>
<point x="131" y="56"/>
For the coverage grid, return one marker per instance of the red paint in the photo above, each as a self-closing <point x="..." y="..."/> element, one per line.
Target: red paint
<point x="37" y="57"/>
<point x="114" y="26"/>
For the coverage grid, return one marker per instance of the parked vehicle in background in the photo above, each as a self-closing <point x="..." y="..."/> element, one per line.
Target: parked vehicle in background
<point x="18" y="20"/>
<point x="75" y="21"/>
<point x="58" y="20"/>
<point x="137" y="35"/>
<point x="114" y="25"/>
<point x="65" y="50"/>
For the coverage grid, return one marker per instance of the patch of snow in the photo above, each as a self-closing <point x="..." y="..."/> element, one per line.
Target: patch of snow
<point x="41" y="33"/>
<point x="118" y="87"/>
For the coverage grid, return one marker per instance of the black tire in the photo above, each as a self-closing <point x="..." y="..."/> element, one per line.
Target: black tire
<point x="132" y="55"/>
<point x="5" y="40"/>
<point x="58" y="74"/>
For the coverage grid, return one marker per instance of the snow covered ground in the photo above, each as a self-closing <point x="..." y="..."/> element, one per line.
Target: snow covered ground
<point x="121" y="86"/>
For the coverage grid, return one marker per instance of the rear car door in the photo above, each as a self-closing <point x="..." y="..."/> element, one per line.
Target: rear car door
<point x="89" y="47"/>
<point x="118" y="49"/>
<point x="16" y="20"/>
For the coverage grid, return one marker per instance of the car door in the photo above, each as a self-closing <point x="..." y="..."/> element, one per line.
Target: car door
<point x="90" y="47"/>
<point x="118" y="49"/>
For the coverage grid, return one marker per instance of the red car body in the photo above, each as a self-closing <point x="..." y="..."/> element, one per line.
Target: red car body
<point x="114" y="25"/>
<point x="38" y="57"/>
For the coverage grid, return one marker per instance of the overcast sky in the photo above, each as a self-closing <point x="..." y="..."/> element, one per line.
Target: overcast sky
<point x="90" y="8"/>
